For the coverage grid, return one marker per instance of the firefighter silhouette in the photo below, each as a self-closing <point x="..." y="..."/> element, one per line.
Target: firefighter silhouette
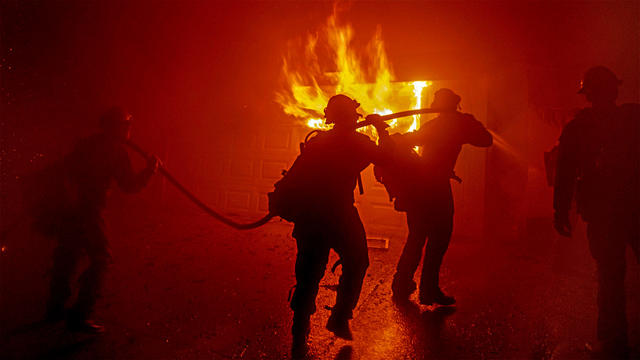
<point x="598" y="162"/>
<point x="421" y="187"/>
<point x="88" y="172"/>
<point x="317" y="195"/>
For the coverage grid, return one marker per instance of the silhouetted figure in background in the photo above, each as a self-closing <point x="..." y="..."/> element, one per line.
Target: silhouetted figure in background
<point x="89" y="170"/>
<point x="327" y="171"/>
<point x="427" y="196"/>
<point x="599" y="161"/>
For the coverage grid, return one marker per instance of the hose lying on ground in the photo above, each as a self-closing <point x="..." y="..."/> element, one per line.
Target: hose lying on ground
<point x="197" y="201"/>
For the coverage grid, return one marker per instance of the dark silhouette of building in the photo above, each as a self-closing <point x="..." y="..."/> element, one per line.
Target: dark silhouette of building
<point x="599" y="164"/>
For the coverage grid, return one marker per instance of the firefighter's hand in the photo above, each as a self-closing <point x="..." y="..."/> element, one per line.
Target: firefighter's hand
<point x="153" y="164"/>
<point x="562" y="224"/>
<point x="377" y="122"/>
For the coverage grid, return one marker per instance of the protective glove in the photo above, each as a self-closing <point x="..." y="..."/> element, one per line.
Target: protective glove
<point x="377" y="122"/>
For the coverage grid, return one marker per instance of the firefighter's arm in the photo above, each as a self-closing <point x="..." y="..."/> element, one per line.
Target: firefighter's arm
<point x="380" y="126"/>
<point x="478" y="135"/>
<point x="414" y="138"/>
<point x="380" y="154"/>
<point x="565" y="181"/>
<point x="128" y="180"/>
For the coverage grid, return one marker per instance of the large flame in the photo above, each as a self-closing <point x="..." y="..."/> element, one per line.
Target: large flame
<point x="330" y="64"/>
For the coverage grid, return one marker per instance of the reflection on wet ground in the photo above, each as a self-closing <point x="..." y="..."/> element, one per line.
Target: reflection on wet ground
<point x="187" y="288"/>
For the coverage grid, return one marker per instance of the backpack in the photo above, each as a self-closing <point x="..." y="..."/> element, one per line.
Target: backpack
<point x="400" y="177"/>
<point x="292" y="195"/>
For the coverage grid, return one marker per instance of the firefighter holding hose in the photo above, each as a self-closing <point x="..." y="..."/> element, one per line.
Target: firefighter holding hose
<point x="89" y="170"/>
<point x="422" y="189"/>
<point x="322" y="209"/>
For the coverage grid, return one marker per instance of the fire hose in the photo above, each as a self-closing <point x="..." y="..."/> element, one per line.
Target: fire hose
<point x="398" y="115"/>
<point x="240" y="226"/>
<point x="266" y="218"/>
<point x="196" y="200"/>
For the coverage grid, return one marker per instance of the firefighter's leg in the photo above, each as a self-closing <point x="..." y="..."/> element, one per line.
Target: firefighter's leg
<point x="355" y="260"/>
<point x="439" y="237"/>
<point x="607" y="244"/>
<point x="352" y="248"/>
<point x="403" y="284"/>
<point x="65" y="260"/>
<point x="311" y="261"/>
<point x="92" y="279"/>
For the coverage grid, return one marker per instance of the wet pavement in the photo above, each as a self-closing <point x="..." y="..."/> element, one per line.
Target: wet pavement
<point x="185" y="287"/>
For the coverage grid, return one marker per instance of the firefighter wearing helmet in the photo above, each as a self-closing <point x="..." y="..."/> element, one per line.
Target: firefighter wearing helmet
<point x="446" y="100"/>
<point x="88" y="170"/>
<point x="341" y="110"/>
<point x="598" y="164"/>
<point x="327" y="169"/>
<point x="425" y="195"/>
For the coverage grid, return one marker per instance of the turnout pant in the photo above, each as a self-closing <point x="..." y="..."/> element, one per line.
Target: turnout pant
<point x="423" y="225"/>
<point x="608" y="241"/>
<point x="78" y="237"/>
<point x="346" y="236"/>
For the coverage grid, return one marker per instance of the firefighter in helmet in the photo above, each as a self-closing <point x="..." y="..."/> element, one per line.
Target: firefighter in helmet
<point x="426" y="197"/>
<point x="89" y="169"/>
<point x="598" y="164"/>
<point x="329" y="167"/>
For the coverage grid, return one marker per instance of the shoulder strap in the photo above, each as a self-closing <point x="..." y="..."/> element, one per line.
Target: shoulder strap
<point x="310" y="136"/>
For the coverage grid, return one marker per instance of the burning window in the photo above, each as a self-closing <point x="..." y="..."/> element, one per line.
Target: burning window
<point x="330" y="63"/>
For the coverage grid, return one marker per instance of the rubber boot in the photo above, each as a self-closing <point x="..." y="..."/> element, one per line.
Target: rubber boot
<point x="436" y="297"/>
<point x="339" y="326"/>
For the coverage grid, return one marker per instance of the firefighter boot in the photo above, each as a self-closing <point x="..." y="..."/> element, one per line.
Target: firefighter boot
<point x="402" y="289"/>
<point x="76" y="322"/>
<point x="339" y="326"/>
<point x="436" y="296"/>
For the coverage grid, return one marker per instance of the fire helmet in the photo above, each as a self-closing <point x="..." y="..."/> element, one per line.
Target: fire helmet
<point x="598" y="79"/>
<point x="445" y="99"/>
<point x="340" y="107"/>
<point x="114" y="117"/>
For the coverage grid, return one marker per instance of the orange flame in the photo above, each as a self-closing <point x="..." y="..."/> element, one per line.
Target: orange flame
<point x="311" y="78"/>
